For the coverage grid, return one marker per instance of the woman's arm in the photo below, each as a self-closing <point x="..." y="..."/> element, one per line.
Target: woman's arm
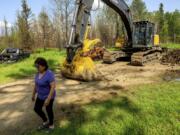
<point x="34" y="93"/>
<point x="51" y="93"/>
<point x="52" y="85"/>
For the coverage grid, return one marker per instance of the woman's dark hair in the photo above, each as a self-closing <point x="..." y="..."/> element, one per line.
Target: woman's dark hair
<point x="42" y="62"/>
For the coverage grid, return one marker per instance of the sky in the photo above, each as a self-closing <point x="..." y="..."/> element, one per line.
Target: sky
<point x="169" y="5"/>
<point x="9" y="8"/>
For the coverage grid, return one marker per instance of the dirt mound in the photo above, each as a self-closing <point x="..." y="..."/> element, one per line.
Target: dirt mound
<point x="172" y="57"/>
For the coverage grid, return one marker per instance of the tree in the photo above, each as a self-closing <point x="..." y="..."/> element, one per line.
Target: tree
<point x="162" y="23"/>
<point x="161" y="18"/>
<point x="173" y="20"/>
<point x="138" y="10"/>
<point x="164" y="32"/>
<point x="45" y="27"/>
<point x="104" y="29"/>
<point x="6" y="36"/>
<point x="110" y="25"/>
<point x="104" y="33"/>
<point x="5" y="27"/>
<point x="63" y="10"/>
<point x="14" y="37"/>
<point x="115" y="22"/>
<point x="23" y="23"/>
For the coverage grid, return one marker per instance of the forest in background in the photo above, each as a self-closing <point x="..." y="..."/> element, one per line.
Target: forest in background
<point x="51" y="28"/>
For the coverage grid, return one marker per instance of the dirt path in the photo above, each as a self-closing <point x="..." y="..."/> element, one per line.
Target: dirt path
<point x="16" y="108"/>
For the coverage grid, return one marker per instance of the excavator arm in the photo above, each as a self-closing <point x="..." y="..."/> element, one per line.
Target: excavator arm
<point x="80" y="21"/>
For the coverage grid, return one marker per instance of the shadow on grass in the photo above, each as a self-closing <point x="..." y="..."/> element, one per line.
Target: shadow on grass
<point x="53" y="65"/>
<point x="22" y="73"/>
<point x="73" y="118"/>
<point x="134" y="129"/>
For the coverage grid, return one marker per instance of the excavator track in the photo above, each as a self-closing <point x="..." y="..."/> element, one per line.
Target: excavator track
<point x="143" y="57"/>
<point x="111" y="57"/>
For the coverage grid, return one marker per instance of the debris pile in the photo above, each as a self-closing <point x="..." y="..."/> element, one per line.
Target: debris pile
<point x="96" y="53"/>
<point x="172" y="57"/>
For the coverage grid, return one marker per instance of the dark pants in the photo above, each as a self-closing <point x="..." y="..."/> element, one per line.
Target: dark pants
<point x="49" y="109"/>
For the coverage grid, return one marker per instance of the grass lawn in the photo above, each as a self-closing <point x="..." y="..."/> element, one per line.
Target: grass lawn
<point x="114" y="49"/>
<point x="144" y="110"/>
<point x="24" y="68"/>
<point x="171" y="45"/>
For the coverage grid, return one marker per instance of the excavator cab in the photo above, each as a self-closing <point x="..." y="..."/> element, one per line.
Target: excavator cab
<point x="143" y="35"/>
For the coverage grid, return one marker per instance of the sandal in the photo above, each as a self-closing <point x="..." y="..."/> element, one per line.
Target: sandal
<point x="49" y="130"/>
<point x="43" y="126"/>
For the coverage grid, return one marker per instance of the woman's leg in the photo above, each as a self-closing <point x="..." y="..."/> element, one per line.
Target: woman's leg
<point x="50" y="112"/>
<point x="38" y="109"/>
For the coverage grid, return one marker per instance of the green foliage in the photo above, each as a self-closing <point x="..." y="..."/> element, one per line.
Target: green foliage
<point x="14" y="37"/>
<point x="168" y="25"/>
<point x="114" y="20"/>
<point x="25" y="68"/>
<point x="139" y="10"/>
<point x="164" y="32"/>
<point x="162" y="23"/>
<point x="171" y="46"/>
<point x="105" y="29"/>
<point x="173" y="20"/>
<point x="144" y="110"/>
<point x="23" y="24"/>
<point x="6" y="27"/>
<point x="161" y="18"/>
<point x="45" y="26"/>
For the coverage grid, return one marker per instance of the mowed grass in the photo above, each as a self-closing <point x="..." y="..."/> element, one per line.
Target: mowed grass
<point x="168" y="45"/>
<point x="144" y="110"/>
<point x="25" y="68"/>
<point x="171" y="45"/>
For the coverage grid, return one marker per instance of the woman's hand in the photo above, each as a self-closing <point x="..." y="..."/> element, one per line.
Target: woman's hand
<point x="47" y="101"/>
<point x="33" y="98"/>
<point x="34" y="94"/>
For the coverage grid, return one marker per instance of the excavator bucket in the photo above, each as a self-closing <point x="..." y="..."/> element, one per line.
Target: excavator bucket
<point x="82" y="67"/>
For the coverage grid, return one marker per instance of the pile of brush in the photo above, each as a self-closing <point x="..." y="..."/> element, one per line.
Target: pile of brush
<point x="96" y="53"/>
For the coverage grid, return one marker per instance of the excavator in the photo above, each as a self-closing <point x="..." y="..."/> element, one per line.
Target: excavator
<point x="142" y="45"/>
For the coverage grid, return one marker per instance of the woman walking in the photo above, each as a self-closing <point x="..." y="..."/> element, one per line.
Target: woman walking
<point x="44" y="92"/>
